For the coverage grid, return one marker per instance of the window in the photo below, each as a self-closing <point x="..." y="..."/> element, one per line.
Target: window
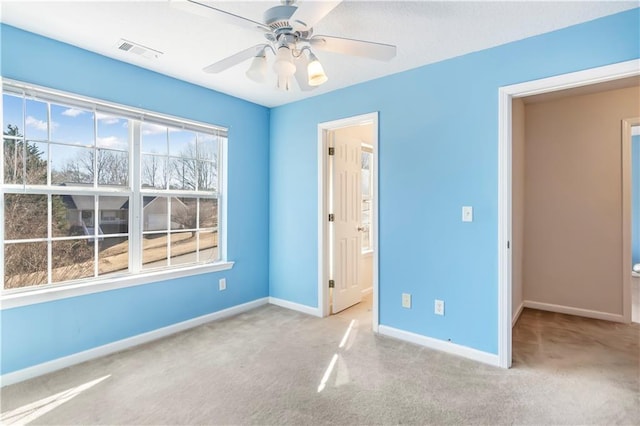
<point x="92" y="190"/>
<point x="367" y="185"/>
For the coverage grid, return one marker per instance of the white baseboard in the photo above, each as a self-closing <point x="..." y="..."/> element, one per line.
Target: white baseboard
<point x="295" y="306"/>
<point x="573" y="311"/>
<point x="367" y="290"/>
<point x="109" y="348"/>
<point x="517" y="314"/>
<point x="440" y="345"/>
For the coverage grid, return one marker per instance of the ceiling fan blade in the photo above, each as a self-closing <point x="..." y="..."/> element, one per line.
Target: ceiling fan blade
<point x="202" y="9"/>
<point x="348" y="46"/>
<point x="232" y="60"/>
<point x="301" y="73"/>
<point x="310" y="13"/>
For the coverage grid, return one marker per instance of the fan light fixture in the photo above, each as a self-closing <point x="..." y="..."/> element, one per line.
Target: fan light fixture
<point x="285" y="67"/>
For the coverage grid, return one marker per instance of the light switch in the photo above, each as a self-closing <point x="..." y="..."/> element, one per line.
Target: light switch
<point x="467" y="214"/>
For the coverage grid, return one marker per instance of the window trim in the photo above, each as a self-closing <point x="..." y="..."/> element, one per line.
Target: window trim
<point x="11" y="298"/>
<point x="50" y="292"/>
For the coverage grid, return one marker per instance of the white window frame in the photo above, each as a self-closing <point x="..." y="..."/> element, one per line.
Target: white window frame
<point x="136" y="275"/>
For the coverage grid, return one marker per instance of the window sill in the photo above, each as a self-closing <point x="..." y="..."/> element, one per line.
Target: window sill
<point x="48" y="294"/>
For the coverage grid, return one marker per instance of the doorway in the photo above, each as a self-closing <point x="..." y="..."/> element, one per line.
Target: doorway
<point x="585" y="78"/>
<point x="347" y="219"/>
<point x="631" y="141"/>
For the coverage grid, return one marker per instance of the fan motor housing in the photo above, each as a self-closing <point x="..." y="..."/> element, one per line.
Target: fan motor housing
<point x="277" y="18"/>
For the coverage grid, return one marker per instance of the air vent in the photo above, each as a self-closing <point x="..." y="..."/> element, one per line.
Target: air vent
<point x="138" y="49"/>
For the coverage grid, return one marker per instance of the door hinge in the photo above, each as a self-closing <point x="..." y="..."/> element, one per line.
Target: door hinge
<point x="332" y="284"/>
<point x="508" y="244"/>
<point x="331" y="217"/>
<point x="332" y="150"/>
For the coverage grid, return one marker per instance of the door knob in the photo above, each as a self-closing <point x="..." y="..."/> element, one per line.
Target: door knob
<point x="362" y="228"/>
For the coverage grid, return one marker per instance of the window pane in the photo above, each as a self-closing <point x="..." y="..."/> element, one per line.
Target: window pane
<point x="72" y="125"/>
<point x="36" y="121"/>
<point x="208" y="246"/>
<point x="72" y="260"/>
<point x="183" y="213"/>
<point x="207" y="147"/>
<point x="182" y="143"/>
<point x="25" y="216"/>
<point x="72" y="215"/>
<point x="13" y="161"/>
<point x="207" y="176"/>
<point x="113" y="132"/>
<point x="183" y="248"/>
<point x="155" y="213"/>
<point x="113" y="255"/>
<point x="12" y="115"/>
<point x="14" y="151"/>
<point x="182" y="173"/>
<point x="25" y="264"/>
<point x="367" y="158"/>
<point x="114" y="215"/>
<point x="37" y="163"/>
<point x="71" y="165"/>
<point x="113" y="167"/>
<point x="153" y="172"/>
<point x="154" y="251"/>
<point x="208" y="213"/>
<point x="154" y="138"/>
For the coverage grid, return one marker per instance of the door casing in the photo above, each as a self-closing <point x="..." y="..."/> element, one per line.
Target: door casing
<point x="505" y="96"/>
<point x="324" y="129"/>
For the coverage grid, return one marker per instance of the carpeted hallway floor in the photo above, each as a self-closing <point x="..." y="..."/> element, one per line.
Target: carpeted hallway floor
<point x="269" y="366"/>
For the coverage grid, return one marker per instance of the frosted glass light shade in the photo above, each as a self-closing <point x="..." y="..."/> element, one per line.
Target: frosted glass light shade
<point x="258" y="69"/>
<point x="284" y="66"/>
<point x="315" y="72"/>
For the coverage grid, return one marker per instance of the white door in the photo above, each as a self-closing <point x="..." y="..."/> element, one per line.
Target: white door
<point x="346" y="225"/>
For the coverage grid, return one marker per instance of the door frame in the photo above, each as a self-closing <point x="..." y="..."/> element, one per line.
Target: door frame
<point x="505" y="96"/>
<point x="323" y="209"/>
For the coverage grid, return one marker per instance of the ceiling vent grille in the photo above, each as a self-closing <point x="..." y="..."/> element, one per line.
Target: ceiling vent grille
<point x="138" y="49"/>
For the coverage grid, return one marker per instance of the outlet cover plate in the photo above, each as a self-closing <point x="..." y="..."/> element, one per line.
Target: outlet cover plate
<point x="438" y="307"/>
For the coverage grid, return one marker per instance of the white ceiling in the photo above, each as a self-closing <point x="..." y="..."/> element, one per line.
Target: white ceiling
<point x="424" y="32"/>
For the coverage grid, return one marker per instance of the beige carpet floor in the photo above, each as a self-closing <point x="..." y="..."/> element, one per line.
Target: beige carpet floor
<point x="273" y="366"/>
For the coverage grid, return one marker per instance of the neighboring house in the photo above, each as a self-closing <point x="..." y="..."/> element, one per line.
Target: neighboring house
<point x="155" y="213"/>
<point x="114" y="214"/>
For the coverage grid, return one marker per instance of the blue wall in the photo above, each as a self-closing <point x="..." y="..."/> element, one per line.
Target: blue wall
<point x="635" y="188"/>
<point x="429" y="168"/>
<point x="42" y="332"/>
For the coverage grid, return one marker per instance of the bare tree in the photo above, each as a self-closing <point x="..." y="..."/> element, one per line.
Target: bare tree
<point x="194" y="170"/>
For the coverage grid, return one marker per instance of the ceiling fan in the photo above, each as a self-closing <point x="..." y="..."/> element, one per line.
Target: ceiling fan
<point x="288" y="30"/>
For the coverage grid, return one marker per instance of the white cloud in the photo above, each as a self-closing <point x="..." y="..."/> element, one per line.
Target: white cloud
<point x="35" y="123"/>
<point x="153" y="129"/>
<point x="112" y="142"/>
<point x="107" y="119"/>
<point x="72" y="112"/>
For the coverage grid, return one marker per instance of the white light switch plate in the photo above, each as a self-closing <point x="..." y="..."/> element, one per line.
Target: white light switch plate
<point x="467" y="214"/>
<point x="222" y="284"/>
<point x="406" y="300"/>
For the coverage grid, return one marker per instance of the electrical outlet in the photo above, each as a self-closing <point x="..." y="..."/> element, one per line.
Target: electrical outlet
<point x="439" y="307"/>
<point x="222" y="284"/>
<point x="406" y="300"/>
